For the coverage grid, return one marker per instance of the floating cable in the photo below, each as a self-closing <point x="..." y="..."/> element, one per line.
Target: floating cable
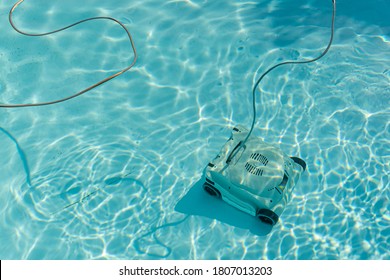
<point x="61" y="29"/>
<point x="21" y="153"/>
<point x="242" y="144"/>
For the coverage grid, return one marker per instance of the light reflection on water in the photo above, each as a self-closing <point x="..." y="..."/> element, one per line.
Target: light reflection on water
<point x="115" y="174"/>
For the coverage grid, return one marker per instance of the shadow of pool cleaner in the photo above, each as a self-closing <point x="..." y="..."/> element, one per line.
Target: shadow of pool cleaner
<point x="198" y="202"/>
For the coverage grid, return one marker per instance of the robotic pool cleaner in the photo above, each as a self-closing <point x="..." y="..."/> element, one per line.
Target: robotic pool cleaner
<point x="259" y="180"/>
<point x="251" y="175"/>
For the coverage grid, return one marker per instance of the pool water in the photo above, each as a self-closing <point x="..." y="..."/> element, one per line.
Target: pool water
<point x="117" y="172"/>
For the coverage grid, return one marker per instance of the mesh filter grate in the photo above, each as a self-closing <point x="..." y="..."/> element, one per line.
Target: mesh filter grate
<point x="253" y="169"/>
<point x="260" y="158"/>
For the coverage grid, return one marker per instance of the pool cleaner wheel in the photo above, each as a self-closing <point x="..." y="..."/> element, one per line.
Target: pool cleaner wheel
<point x="267" y="216"/>
<point x="211" y="190"/>
<point x="300" y="161"/>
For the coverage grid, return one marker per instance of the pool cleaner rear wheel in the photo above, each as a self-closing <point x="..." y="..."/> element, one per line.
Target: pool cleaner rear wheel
<point x="267" y="216"/>
<point x="211" y="190"/>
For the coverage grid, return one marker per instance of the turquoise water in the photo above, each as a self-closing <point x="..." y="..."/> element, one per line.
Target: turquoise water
<point x="116" y="173"/>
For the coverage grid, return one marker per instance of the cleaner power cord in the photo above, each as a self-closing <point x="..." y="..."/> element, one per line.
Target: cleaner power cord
<point x="242" y="143"/>
<point x="61" y="29"/>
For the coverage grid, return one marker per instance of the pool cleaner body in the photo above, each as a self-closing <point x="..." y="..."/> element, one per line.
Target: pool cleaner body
<point x="259" y="180"/>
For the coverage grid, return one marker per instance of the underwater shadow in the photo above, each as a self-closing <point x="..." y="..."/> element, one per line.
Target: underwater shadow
<point x="197" y="202"/>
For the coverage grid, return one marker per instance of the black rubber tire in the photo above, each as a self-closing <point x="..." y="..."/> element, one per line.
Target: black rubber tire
<point x="300" y="161"/>
<point x="267" y="216"/>
<point x="211" y="190"/>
